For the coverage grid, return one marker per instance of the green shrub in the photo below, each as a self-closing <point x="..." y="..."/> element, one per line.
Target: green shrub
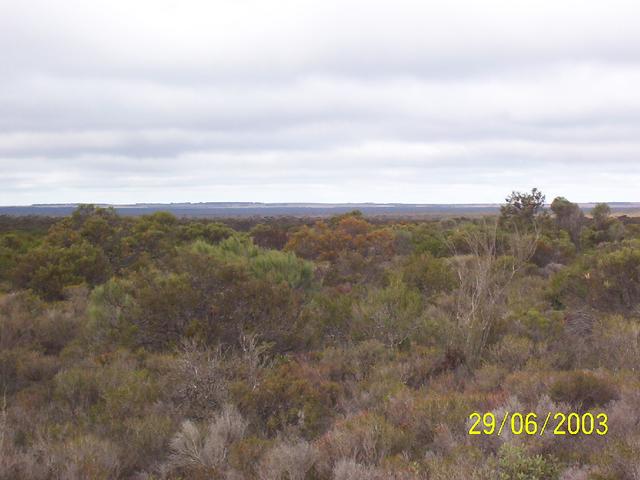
<point x="428" y="274"/>
<point x="557" y="249"/>
<point x="608" y="280"/>
<point x="428" y="239"/>
<point x="390" y="315"/>
<point x="515" y="464"/>
<point x="276" y="266"/>
<point x="48" y="269"/>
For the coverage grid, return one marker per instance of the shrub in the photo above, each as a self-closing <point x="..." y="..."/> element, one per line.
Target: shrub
<point x="290" y="395"/>
<point x="245" y="455"/>
<point x="146" y="439"/>
<point x="608" y="280"/>
<point x="423" y="415"/>
<point x="346" y="233"/>
<point x="390" y="315"/>
<point x="198" y="381"/>
<point x="78" y="388"/>
<point x="539" y="326"/>
<point x="209" y="232"/>
<point x="528" y="385"/>
<point x="615" y="343"/>
<point x="275" y="266"/>
<point x="558" y="249"/>
<point x="27" y="322"/>
<point x="48" y="269"/>
<point x="194" y="448"/>
<point x="327" y="317"/>
<point x="428" y="238"/>
<point x="489" y="377"/>
<point x="346" y="469"/>
<point x="584" y="390"/>
<point x="92" y="457"/>
<point x="269" y="236"/>
<point x="356" y="362"/>
<point x="366" y="438"/>
<point x="292" y="460"/>
<point x="428" y="274"/>
<point x="515" y="464"/>
<point x="212" y="293"/>
<point x="512" y="351"/>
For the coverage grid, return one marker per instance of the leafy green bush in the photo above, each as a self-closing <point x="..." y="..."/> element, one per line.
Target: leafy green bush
<point x="270" y="265"/>
<point x="48" y="269"/>
<point x="515" y="464"/>
<point x="428" y="239"/>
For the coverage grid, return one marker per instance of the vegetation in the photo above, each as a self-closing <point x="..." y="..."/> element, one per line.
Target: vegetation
<point x="332" y="349"/>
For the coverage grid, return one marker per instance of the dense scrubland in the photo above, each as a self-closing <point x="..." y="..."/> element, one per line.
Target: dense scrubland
<point x="342" y="348"/>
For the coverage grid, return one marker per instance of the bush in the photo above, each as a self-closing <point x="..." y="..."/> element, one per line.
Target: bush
<point x="428" y="239"/>
<point x="557" y="249"/>
<point x="346" y="233"/>
<point x="428" y="274"/>
<point x="583" y="390"/>
<point x="366" y="438"/>
<point x="90" y="457"/>
<point x="512" y="352"/>
<point x="48" y="269"/>
<point x="615" y="343"/>
<point x="27" y="322"/>
<point x="246" y="454"/>
<point x="77" y="388"/>
<point x="609" y="280"/>
<point x="292" y="460"/>
<point x="347" y="469"/>
<point x="391" y="315"/>
<point x="205" y="451"/>
<point x="515" y="464"/>
<point x="290" y="395"/>
<point x="275" y="266"/>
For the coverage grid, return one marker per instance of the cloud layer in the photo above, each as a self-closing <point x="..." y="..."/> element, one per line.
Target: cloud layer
<point x="404" y="101"/>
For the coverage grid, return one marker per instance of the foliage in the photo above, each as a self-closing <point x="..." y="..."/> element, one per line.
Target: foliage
<point x="569" y="217"/>
<point x="390" y="315"/>
<point x="350" y="233"/>
<point x="428" y="274"/>
<point x="521" y="208"/>
<point x="609" y="279"/>
<point x="158" y="347"/>
<point x="583" y="390"/>
<point x="290" y="395"/>
<point x="515" y="464"/>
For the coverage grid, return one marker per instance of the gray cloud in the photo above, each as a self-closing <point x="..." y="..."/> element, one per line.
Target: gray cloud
<point x="318" y="101"/>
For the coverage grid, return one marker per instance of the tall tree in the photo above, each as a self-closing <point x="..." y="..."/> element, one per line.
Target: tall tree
<point x="521" y="208"/>
<point x="569" y="217"/>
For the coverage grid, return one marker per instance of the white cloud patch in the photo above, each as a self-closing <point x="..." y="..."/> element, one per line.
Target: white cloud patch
<point x="406" y="101"/>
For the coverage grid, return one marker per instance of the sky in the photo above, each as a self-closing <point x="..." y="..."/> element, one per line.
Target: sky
<point x="456" y="101"/>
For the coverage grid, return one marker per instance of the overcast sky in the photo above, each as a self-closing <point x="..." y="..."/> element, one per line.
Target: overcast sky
<point x="125" y="101"/>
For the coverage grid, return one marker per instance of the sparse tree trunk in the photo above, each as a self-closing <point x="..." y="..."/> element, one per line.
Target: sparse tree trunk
<point x="484" y="276"/>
